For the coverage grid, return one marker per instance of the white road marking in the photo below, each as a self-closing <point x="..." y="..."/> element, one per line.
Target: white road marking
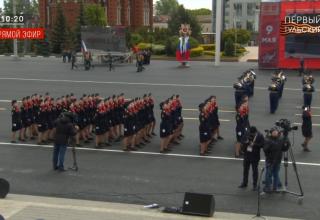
<point x="3" y="109"/>
<point x="136" y="83"/>
<point x="312" y="115"/>
<point x="197" y="110"/>
<point x="313" y="125"/>
<point x="223" y="120"/>
<point x="150" y="153"/>
<point x="312" y="107"/>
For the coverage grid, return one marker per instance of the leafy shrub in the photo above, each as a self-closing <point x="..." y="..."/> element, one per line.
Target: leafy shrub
<point x="196" y="52"/>
<point x="229" y="48"/>
<point x="193" y="42"/>
<point x="158" y="49"/>
<point x="208" y="47"/>
<point x="135" y="39"/>
<point x="209" y="53"/>
<point x="171" y="45"/>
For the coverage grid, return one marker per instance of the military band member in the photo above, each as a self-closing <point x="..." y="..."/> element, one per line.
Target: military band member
<point x="306" y="127"/>
<point x="274" y="96"/>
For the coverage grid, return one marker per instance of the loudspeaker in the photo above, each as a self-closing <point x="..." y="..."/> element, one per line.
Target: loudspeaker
<point x="4" y="188"/>
<point x="198" y="204"/>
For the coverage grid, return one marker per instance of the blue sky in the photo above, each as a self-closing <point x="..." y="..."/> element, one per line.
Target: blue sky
<point x="187" y="3"/>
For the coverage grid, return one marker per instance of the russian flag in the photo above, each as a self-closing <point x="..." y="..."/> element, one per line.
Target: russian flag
<point x="83" y="47"/>
<point x="183" y="50"/>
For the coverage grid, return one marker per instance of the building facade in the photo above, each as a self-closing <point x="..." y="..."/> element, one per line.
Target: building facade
<point x="242" y="14"/>
<point x="130" y="13"/>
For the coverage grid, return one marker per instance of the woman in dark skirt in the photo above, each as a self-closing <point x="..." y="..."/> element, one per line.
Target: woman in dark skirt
<point x="165" y="127"/>
<point x="16" y="120"/>
<point x="204" y="129"/>
<point x="306" y="128"/>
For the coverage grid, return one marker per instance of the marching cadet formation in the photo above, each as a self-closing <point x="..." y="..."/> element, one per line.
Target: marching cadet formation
<point x="171" y="124"/>
<point x="112" y="119"/>
<point x="209" y="125"/>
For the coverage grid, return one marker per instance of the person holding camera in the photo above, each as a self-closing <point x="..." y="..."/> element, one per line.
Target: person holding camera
<point x="306" y="127"/>
<point x="64" y="130"/>
<point x="251" y="148"/>
<point x="275" y="145"/>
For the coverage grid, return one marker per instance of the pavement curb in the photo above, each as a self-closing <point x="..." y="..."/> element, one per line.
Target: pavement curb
<point x="16" y="207"/>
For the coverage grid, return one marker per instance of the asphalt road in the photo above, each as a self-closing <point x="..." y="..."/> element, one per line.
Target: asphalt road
<point x="147" y="177"/>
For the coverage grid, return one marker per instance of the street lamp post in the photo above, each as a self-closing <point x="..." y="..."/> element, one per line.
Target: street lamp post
<point x="218" y="31"/>
<point x="15" y="41"/>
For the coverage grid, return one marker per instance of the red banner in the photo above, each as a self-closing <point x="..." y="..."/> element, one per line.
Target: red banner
<point x="21" y="33"/>
<point x="269" y="35"/>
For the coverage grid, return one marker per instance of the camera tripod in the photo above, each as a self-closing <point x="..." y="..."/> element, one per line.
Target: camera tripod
<point x="286" y="164"/>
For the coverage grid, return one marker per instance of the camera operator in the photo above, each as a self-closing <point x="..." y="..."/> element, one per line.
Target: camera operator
<point x="275" y="145"/>
<point x="251" y="149"/>
<point x="65" y="129"/>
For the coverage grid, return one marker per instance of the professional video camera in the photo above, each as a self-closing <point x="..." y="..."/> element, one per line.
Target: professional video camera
<point x="285" y="124"/>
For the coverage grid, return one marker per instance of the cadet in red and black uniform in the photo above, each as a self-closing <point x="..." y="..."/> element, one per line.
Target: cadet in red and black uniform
<point x="100" y="123"/>
<point x="35" y="113"/>
<point x="165" y="127"/>
<point x="42" y="122"/>
<point x="26" y="118"/>
<point x="121" y="103"/>
<point x="205" y="131"/>
<point x="243" y="126"/>
<point x="129" y="127"/>
<point x="108" y="121"/>
<point x="214" y="118"/>
<point x="151" y="118"/>
<point x="15" y="120"/>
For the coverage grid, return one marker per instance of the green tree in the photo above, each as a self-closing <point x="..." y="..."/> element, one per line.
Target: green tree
<point x="59" y="32"/>
<point x="229" y="48"/>
<point x="201" y="11"/>
<point x="166" y="7"/>
<point x="242" y="35"/>
<point x="183" y="16"/>
<point x="26" y="7"/>
<point x="94" y="15"/>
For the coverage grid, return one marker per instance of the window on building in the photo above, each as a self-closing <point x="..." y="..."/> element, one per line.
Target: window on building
<point x="250" y="25"/>
<point x="238" y="9"/>
<point x="146" y="14"/>
<point x="251" y="9"/>
<point x="129" y="12"/>
<point x="119" y="12"/>
<point x="238" y="25"/>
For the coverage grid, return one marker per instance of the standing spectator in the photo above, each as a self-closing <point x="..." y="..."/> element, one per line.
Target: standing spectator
<point x="64" y="130"/>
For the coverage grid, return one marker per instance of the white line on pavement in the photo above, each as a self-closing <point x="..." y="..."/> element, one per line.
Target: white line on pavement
<point x="136" y="83"/>
<point x="312" y="107"/>
<point x="150" y="153"/>
<point x="313" y="125"/>
<point x="2" y="109"/>
<point x="196" y="110"/>
<point x="312" y="115"/>
<point x="223" y="120"/>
